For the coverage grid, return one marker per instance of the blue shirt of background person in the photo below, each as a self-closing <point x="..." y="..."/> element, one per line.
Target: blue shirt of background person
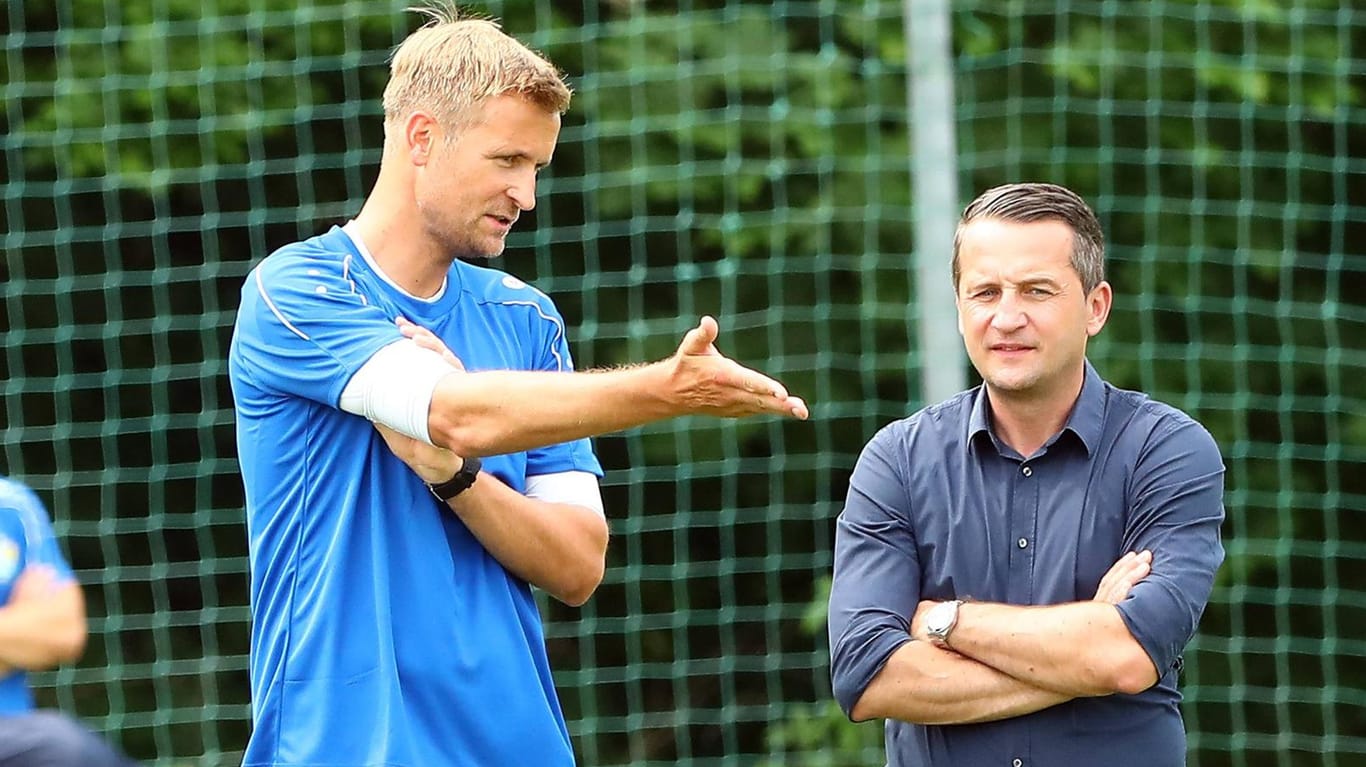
<point x="1078" y="522"/>
<point x="42" y="624"/>
<point x="383" y="631"/>
<point x="26" y="540"/>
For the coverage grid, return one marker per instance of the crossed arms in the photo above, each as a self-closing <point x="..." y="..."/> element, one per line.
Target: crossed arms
<point x="1006" y="660"/>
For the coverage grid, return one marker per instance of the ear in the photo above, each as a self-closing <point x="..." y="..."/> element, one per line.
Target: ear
<point x="1098" y="307"/>
<point x="421" y="132"/>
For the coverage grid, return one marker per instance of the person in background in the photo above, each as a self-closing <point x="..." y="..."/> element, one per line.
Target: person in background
<point x="42" y="625"/>
<point x="1018" y="568"/>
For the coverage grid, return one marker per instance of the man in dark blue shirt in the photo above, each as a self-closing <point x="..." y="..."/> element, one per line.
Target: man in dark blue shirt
<point x="1018" y="568"/>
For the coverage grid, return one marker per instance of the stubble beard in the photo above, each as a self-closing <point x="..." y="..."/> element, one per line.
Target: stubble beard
<point x="453" y="242"/>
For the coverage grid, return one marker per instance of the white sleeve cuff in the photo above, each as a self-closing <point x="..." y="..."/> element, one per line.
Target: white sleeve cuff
<point x="395" y="386"/>
<point x="577" y="487"/>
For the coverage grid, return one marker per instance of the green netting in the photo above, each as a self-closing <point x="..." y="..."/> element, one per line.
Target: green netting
<point x="748" y="160"/>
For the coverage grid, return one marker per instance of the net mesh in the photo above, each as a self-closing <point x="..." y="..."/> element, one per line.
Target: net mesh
<point x="747" y="160"/>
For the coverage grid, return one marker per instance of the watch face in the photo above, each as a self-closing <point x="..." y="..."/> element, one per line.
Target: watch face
<point x="939" y="617"/>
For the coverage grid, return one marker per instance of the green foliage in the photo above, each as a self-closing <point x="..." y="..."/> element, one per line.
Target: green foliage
<point x="820" y="735"/>
<point x="149" y="94"/>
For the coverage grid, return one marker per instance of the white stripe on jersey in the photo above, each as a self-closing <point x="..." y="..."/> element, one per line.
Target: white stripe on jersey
<point x="559" y="328"/>
<point x="261" y="287"/>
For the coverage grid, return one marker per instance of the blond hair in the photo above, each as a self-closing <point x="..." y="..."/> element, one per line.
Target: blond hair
<point x="454" y="63"/>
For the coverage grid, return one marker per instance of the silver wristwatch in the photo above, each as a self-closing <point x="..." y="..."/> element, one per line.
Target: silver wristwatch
<point x="940" y="620"/>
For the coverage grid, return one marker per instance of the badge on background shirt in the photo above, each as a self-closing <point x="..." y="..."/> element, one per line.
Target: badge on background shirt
<point x="9" y="559"/>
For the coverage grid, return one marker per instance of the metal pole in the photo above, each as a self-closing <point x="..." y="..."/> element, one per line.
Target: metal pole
<point x="934" y="186"/>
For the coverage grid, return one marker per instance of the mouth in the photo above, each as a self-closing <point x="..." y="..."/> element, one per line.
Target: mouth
<point x="502" y="222"/>
<point x="1010" y="348"/>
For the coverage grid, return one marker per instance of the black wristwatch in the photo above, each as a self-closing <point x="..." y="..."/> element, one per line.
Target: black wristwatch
<point x="458" y="484"/>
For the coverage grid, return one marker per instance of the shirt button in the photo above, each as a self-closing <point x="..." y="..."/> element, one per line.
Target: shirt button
<point x="1016" y="762"/>
<point x="1023" y="543"/>
<point x="1028" y="472"/>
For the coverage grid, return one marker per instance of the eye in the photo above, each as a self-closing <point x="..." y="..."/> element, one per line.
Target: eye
<point x="985" y="293"/>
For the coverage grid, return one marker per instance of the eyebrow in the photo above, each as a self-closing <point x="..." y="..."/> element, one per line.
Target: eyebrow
<point x="1024" y="283"/>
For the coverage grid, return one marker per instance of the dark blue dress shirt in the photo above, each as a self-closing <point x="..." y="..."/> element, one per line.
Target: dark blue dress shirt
<point x="939" y="508"/>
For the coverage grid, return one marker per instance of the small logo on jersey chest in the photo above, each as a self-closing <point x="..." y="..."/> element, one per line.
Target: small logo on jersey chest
<point x="9" y="559"/>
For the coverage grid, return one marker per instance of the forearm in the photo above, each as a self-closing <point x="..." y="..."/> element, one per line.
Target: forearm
<point x="558" y="547"/>
<point x="924" y="684"/>
<point x="1076" y="649"/>
<point x="37" y="634"/>
<point x="496" y="412"/>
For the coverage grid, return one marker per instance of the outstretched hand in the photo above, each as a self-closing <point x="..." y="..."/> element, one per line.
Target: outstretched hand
<point x="705" y="382"/>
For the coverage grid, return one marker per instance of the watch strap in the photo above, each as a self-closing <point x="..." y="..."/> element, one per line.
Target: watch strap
<point x="463" y="479"/>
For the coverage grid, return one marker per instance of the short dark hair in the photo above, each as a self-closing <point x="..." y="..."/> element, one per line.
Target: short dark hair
<point x="1027" y="203"/>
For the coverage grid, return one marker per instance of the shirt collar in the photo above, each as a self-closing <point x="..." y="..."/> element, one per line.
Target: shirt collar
<point x="1086" y="421"/>
<point x="1088" y="415"/>
<point x="353" y="234"/>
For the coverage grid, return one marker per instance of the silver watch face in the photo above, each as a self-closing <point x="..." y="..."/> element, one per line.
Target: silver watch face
<point x="938" y="618"/>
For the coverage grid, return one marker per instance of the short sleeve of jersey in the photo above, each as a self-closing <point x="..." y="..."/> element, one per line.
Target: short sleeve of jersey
<point x="303" y="328"/>
<point x="26" y="537"/>
<point x="552" y="353"/>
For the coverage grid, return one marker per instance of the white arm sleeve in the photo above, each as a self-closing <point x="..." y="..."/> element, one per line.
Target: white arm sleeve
<point x="394" y="387"/>
<point x="577" y="487"/>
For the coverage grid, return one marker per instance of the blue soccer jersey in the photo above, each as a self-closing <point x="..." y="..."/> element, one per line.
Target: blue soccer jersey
<point x="383" y="633"/>
<point x="26" y="538"/>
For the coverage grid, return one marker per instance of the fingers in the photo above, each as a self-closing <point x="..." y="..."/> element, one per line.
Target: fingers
<point x="739" y="377"/>
<point x="715" y="385"/>
<point x="699" y="340"/>
<point x="428" y="340"/>
<point x="1122" y="575"/>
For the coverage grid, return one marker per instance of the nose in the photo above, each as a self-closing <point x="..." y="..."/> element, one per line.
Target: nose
<point x="523" y="191"/>
<point x="1009" y="314"/>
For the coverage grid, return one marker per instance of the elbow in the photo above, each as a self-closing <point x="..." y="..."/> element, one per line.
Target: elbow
<point x="1129" y="671"/>
<point x="70" y="644"/>
<point x="586" y="575"/>
<point x="69" y="631"/>
<point x="1135" y="677"/>
<point x="579" y="590"/>
<point x="862" y="710"/>
<point x="458" y="435"/>
<point x="65" y="643"/>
